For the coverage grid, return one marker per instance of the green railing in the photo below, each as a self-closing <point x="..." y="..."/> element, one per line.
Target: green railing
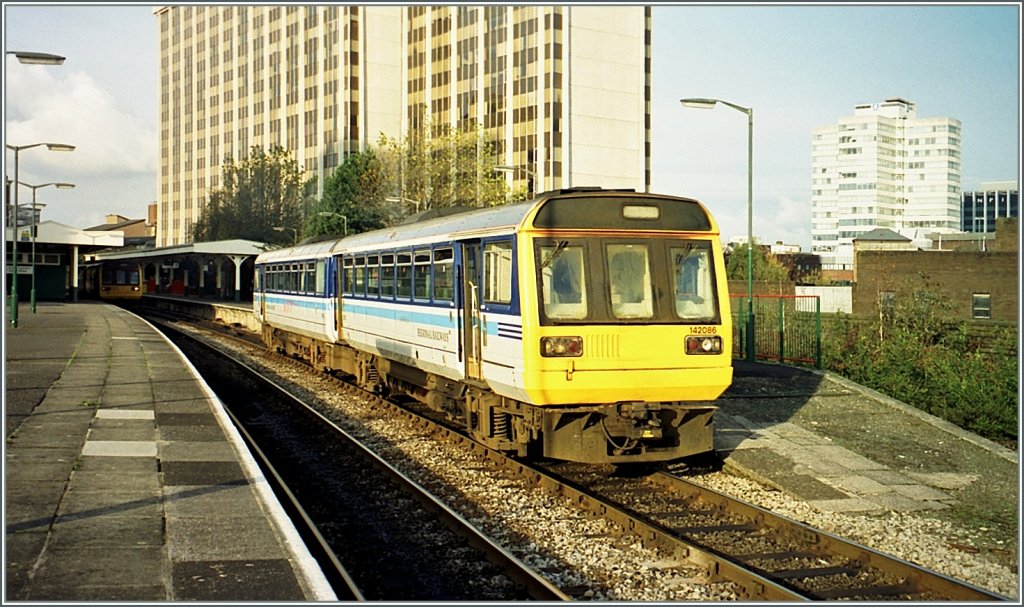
<point x="786" y="328"/>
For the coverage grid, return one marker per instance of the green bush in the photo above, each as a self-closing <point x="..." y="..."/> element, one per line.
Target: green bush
<point x="915" y="352"/>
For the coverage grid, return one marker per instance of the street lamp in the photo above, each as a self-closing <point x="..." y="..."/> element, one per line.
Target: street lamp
<point x="56" y="147"/>
<point x="32" y="58"/>
<point x="333" y="214"/>
<point x="295" y="233"/>
<point x="403" y="199"/>
<point x="60" y="185"/>
<point x="708" y="104"/>
<point x="530" y="175"/>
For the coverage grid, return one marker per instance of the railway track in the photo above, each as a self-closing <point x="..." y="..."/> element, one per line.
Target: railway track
<point x="768" y="556"/>
<point x="800" y="562"/>
<point x="377" y="533"/>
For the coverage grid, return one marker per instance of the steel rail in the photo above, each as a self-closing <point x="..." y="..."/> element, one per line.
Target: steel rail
<point x="916" y="579"/>
<point x="536" y="585"/>
<point x="756" y="584"/>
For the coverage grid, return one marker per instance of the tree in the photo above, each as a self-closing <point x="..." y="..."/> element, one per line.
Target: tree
<point x="356" y="191"/>
<point x="766" y="268"/>
<point x="262" y="191"/>
<point x="442" y="166"/>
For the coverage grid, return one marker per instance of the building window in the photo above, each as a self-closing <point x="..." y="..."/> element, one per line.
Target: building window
<point x="981" y="306"/>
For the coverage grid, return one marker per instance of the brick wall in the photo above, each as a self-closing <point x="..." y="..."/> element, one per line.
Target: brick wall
<point x="956" y="274"/>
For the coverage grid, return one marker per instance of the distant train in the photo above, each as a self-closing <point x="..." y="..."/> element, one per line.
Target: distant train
<point x="586" y="325"/>
<point x="112" y="280"/>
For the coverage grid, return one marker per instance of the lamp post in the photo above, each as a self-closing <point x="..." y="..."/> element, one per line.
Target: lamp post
<point x="295" y="232"/>
<point x="403" y="199"/>
<point x="333" y="214"/>
<point x="530" y="176"/>
<point x="31" y="58"/>
<point x="56" y="147"/>
<point x="60" y="185"/>
<point x="708" y="104"/>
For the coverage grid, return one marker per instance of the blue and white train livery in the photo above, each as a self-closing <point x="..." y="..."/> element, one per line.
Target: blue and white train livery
<point x="587" y="324"/>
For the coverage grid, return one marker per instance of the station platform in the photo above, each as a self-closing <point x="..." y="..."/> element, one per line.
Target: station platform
<point x="123" y="478"/>
<point x="842" y="447"/>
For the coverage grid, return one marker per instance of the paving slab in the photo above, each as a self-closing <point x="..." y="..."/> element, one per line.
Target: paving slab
<point x="106" y="503"/>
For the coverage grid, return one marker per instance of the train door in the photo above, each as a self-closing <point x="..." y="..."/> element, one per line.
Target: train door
<point x="262" y="274"/>
<point x="471" y="328"/>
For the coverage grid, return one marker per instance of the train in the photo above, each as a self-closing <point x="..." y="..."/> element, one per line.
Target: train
<point x="587" y="324"/>
<point x="112" y="280"/>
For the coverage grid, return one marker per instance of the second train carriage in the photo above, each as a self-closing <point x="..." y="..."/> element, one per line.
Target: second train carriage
<point x="112" y="280"/>
<point x="587" y="325"/>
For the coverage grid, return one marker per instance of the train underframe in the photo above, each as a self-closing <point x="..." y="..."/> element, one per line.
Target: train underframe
<point x="623" y="432"/>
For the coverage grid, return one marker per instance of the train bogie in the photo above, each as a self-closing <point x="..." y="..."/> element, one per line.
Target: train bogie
<point x="587" y="325"/>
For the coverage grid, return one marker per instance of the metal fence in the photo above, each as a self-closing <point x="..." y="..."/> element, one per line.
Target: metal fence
<point x="786" y="328"/>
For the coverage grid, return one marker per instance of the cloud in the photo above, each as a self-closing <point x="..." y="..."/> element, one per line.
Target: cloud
<point x="48" y="105"/>
<point x="114" y="165"/>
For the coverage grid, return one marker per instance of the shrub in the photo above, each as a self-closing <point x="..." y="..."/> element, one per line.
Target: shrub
<point x="917" y="353"/>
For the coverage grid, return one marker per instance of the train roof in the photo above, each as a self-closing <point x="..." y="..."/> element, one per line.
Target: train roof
<point x="311" y="250"/>
<point x="475" y="222"/>
<point x="456" y="224"/>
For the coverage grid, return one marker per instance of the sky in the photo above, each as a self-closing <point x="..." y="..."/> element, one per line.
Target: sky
<point x="798" y="66"/>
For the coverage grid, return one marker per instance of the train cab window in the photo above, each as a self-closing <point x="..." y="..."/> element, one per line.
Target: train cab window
<point x="444" y="275"/>
<point x="387" y="276"/>
<point x="629" y="281"/>
<point x="563" y="283"/>
<point x="404" y="276"/>
<point x="348" y="276"/>
<point x="693" y="285"/>
<point x="360" y="282"/>
<point x="421" y="275"/>
<point x="372" y="276"/>
<point x="498" y="272"/>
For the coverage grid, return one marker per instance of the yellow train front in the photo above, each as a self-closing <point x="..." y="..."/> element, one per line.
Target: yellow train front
<point x="626" y="325"/>
<point x="112" y="280"/>
<point x="587" y="325"/>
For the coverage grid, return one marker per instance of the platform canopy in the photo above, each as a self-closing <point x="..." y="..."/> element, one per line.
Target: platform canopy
<point x="219" y="247"/>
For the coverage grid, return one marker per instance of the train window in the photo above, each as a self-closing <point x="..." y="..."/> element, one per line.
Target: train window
<point x="629" y="281"/>
<point x="348" y="276"/>
<point x="321" y="277"/>
<point x="372" y="276"/>
<point x="692" y="283"/>
<point x="421" y="275"/>
<point x="498" y="272"/>
<point x="387" y="276"/>
<point x="360" y="282"/>
<point x="444" y="277"/>
<point x="563" y="282"/>
<point x="404" y="276"/>
<point x="309" y="286"/>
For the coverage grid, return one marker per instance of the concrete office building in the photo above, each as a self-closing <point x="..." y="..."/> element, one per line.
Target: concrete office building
<point x="994" y="199"/>
<point x="563" y="90"/>
<point x="883" y="167"/>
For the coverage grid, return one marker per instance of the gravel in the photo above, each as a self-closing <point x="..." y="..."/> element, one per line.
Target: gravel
<point x="585" y="556"/>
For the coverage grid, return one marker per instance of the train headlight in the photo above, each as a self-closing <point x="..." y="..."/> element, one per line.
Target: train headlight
<point x="561" y="346"/>
<point x="709" y="344"/>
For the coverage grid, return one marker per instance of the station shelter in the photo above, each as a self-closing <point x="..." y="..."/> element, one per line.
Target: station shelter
<point x="221" y="269"/>
<point x="57" y="248"/>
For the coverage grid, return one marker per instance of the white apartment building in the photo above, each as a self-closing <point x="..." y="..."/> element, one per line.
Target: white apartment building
<point x="565" y="91"/>
<point x="883" y="167"/>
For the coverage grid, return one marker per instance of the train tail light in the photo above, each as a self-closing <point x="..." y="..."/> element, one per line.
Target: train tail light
<point x="552" y="347"/>
<point x="696" y="344"/>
